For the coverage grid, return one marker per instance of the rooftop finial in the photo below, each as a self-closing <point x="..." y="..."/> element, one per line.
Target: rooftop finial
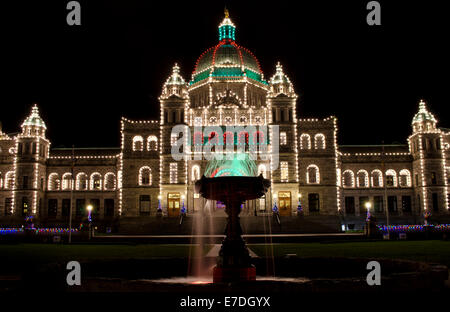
<point x="227" y="14"/>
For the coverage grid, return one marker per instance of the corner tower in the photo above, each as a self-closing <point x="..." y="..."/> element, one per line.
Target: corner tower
<point x="32" y="150"/>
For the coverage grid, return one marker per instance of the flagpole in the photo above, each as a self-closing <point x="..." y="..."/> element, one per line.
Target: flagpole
<point x="383" y="167"/>
<point x="71" y="195"/>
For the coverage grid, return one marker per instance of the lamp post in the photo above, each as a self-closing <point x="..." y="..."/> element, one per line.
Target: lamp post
<point x="369" y="221"/>
<point x="89" y="209"/>
<point x="299" y="206"/>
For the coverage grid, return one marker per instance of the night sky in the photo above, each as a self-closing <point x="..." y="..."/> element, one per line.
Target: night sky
<point x="86" y="77"/>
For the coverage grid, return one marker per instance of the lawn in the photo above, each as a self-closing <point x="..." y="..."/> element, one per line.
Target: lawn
<point x="429" y="251"/>
<point x="22" y="255"/>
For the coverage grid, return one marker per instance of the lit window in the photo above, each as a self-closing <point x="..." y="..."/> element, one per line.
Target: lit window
<point x="110" y="181"/>
<point x="284" y="170"/>
<point x="152" y="143"/>
<point x="312" y="174"/>
<point x="305" y="141"/>
<point x="405" y="178"/>
<point x="96" y="181"/>
<point x="173" y="172"/>
<point x="145" y="176"/>
<point x="283" y="138"/>
<point x="362" y="178"/>
<point x="138" y="143"/>
<point x="319" y="141"/>
<point x="391" y="178"/>
<point x="67" y="181"/>
<point x="195" y="173"/>
<point x="377" y="178"/>
<point x="173" y="139"/>
<point x="348" y="178"/>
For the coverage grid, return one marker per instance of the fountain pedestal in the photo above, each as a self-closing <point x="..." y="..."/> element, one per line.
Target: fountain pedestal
<point x="234" y="261"/>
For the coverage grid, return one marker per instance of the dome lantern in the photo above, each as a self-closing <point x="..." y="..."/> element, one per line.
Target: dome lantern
<point x="34" y="124"/>
<point x="280" y="83"/>
<point x="423" y="120"/>
<point x="227" y="30"/>
<point x="175" y="84"/>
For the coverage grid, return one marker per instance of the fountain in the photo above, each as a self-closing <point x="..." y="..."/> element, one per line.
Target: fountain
<point x="233" y="263"/>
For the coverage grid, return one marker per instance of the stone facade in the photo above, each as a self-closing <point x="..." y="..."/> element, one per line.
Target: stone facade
<point x="140" y="179"/>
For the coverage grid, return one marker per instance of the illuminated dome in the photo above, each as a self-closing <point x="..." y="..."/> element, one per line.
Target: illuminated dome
<point x="34" y="119"/>
<point x="227" y="60"/>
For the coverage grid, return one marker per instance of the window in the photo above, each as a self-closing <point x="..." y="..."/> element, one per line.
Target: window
<point x="392" y="204"/>
<point x="53" y="182"/>
<point x="376" y="178"/>
<point x="80" y="208"/>
<point x="152" y="143"/>
<point x="319" y="141"/>
<point x="195" y="173"/>
<point x="109" y="207"/>
<point x="145" y="176"/>
<point x="173" y="139"/>
<point x="313" y="202"/>
<point x="312" y="174"/>
<point x="405" y="178"/>
<point x="362" y="178"/>
<point x="25" y="182"/>
<point x="138" y="143"/>
<point x="96" y="181"/>
<point x="67" y="181"/>
<point x="243" y="138"/>
<point x="283" y="138"/>
<point x="228" y="138"/>
<point x="391" y="178"/>
<point x="406" y="204"/>
<point x="173" y="173"/>
<point x="262" y="170"/>
<point x="8" y="206"/>
<point x="348" y="178"/>
<point x="284" y="171"/>
<point x="433" y="178"/>
<point x="9" y="180"/>
<point x="197" y="121"/>
<point x="305" y="141"/>
<point x="95" y="202"/>
<point x="378" y="206"/>
<point x="417" y="179"/>
<point x="52" y="208"/>
<point x="144" y="205"/>
<point x="81" y="184"/>
<point x="435" y="202"/>
<point x="258" y="137"/>
<point x="349" y="205"/>
<point x="65" y="208"/>
<point x="363" y="200"/>
<point x="213" y="138"/>
<point x="110" y="181"/>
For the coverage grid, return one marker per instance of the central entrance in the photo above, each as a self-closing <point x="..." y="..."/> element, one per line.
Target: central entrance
<point x="173" y="204"/>
<point x="285" y="203"/>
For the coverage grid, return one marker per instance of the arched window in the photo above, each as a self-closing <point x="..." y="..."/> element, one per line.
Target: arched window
<point x="54" y="183"/>
<point x="305" y="141"/>
<point x="110" y="181"/>
<point x="376" y="178"/>
<point x="82" y="181"/>
<point x="9" y="180"/>
<point x="362" y="178"/>
<point x="66" y="181"/>
<point x="213" y="138"/>
<point x="195" y="173"/>
<point x="258" y="137"/>
<point x="228" y="138"/>
<point x="348" y="178"/>
<point x="405" y="178"/>
<point x="243" y="138"/>
<point x="319" y="141"/>
<point x="391" y="178"/>
<point x="145" y="176"/>
<point x="95" y="181"/>
<point x="262" y="169"/>
<point x="138" y="143"/>
<point x="198" y="138"/>
<point x="152" y="143"/>
<point x="312" y="174"/>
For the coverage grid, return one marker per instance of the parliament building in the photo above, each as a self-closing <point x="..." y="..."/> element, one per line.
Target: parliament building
<point x="140" y="181"/>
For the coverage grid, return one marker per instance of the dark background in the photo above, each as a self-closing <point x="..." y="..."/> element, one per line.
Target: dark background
<point x="86" y="77"/>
